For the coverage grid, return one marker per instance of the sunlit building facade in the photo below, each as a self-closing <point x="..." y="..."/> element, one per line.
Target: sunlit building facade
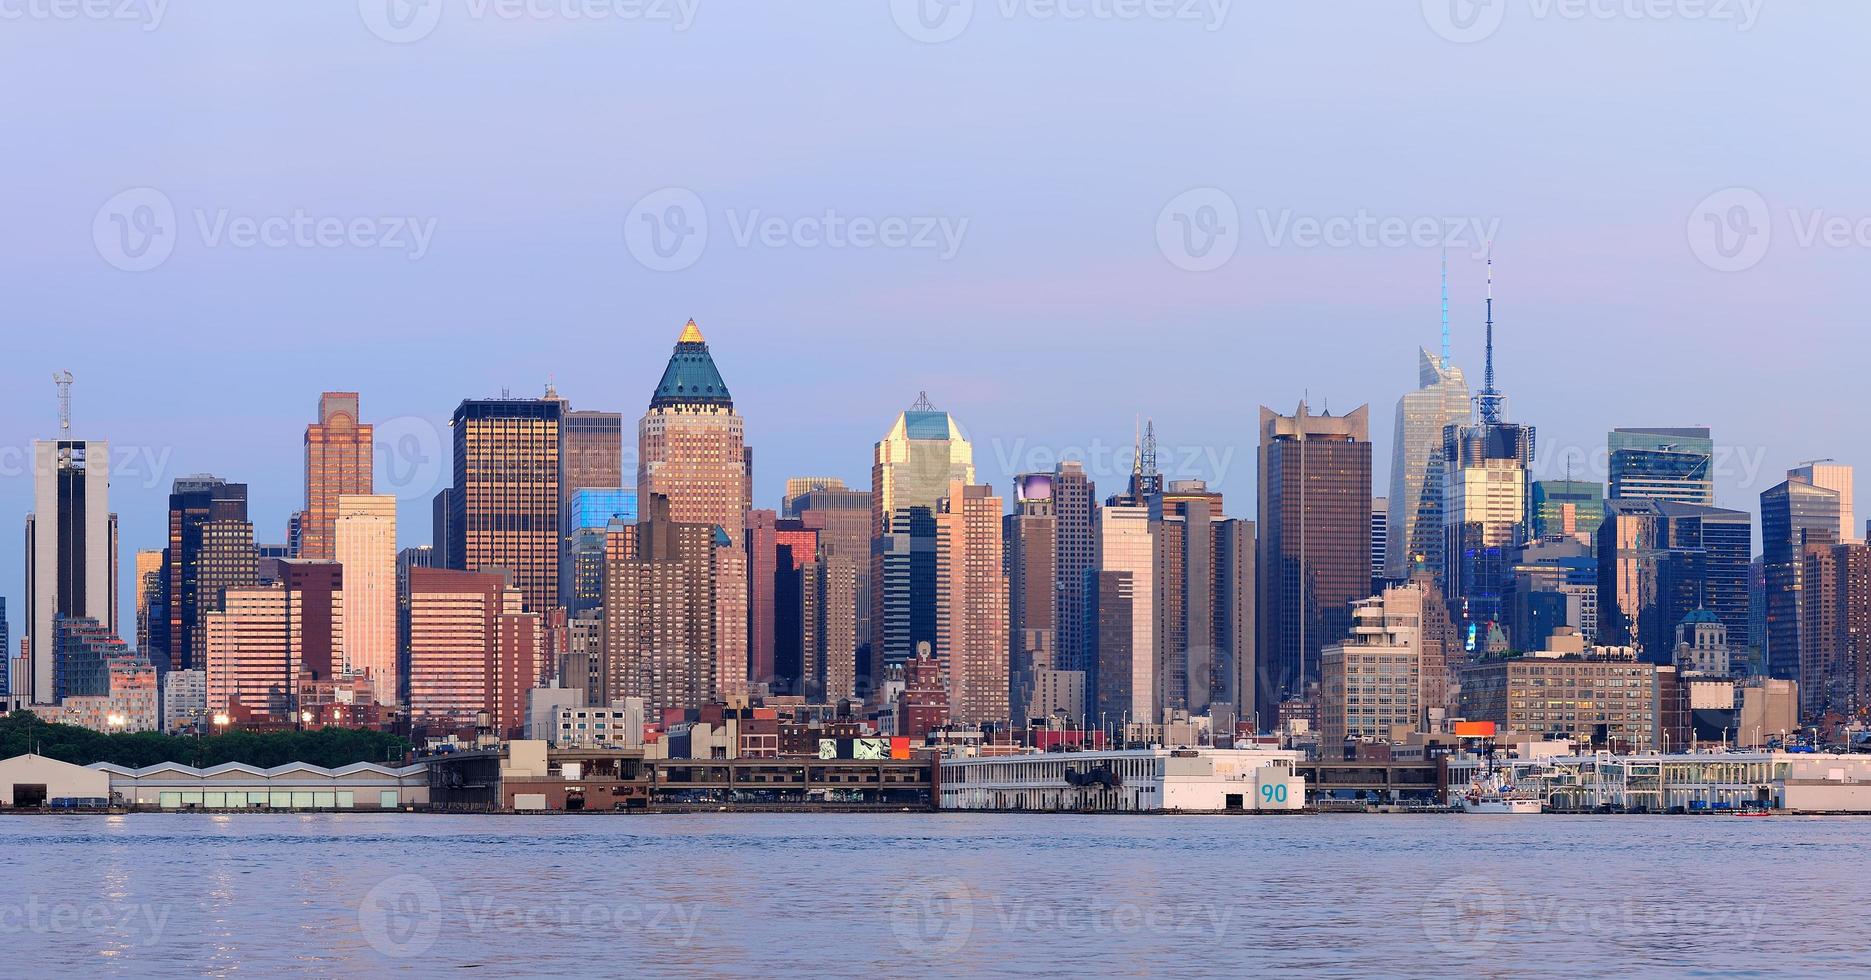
<point x="504" y="505"/>
<point x="338" y="460"/>
<point x="364" y="544"/>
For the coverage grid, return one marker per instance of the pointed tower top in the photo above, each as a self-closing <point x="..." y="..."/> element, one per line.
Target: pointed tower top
<point x="691" y="377"/>
<point x="691" y="334"/>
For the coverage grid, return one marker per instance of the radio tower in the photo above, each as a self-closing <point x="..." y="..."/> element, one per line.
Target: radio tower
<point x="1489" y="401"/>
<point x="63" y="379"/>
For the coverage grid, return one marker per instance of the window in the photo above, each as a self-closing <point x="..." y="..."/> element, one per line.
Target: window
<point x="388" y="799"/>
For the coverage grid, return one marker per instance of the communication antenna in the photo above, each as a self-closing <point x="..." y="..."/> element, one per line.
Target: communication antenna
<point x="923" y="404"/>
<point x="63" y="379"/>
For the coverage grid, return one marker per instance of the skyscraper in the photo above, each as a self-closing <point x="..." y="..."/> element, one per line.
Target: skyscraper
<point x="842" y="520"/>
<point x="675" y="613"/>
<point x="593" y="479"/>
<point x="1795" y="515"/>
<point x="1075" y="509"/>
<point x="1486" y="497"/>
<point x="338" y="458"/>
<point x="971" y="602"/>
<point x="6" y="655"/>
<point x="504" y="505"/>
<point x="1662" y="464"/>
<point x="1315" y="541"/>
<point x="799" y="486"/>
<point x="1123" y="614"/>
<point x="691" y="443"/>
<point x="1567" y="508"/>
<point x="210" y="551"/>
<point x="71" y="552"/>
<point x="1029" y="540"/>
<point x="1837" y="477"/>
<point x="1659" y="561"/>
<point x="364" y="543"/>
<point x="148" y="584"/>
<point x="1415" y="520"/>
<point x="472" y="649"/>
<point x="912" y="469"/>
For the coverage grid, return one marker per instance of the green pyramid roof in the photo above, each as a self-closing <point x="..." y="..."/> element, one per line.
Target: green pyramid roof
<point x="691" y="377"/>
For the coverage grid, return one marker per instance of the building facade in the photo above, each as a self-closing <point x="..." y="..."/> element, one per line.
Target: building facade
<point x="339" y="455"/>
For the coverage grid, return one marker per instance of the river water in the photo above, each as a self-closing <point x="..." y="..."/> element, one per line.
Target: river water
<point x="931" y="895"/>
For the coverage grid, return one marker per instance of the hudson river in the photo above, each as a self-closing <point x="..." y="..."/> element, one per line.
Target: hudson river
<point x="895" y="895"/>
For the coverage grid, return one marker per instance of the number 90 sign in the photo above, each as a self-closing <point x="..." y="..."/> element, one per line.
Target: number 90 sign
<point x="1273" y="793"/>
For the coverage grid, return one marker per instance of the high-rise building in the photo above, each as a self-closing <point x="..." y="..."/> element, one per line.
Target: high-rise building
<point x="1568" y="508"/>
<point x="1315" y="531"/>
<point x="592" y="511"/>
<point x="1837" y="477"/>
<point x="1794" y="515"/>
<point x="1372" y="682"/>
<point x="6" y="656"/>
<point x="1414" y="524"/>
<point x="592" y="482"/>
<point x="691" y="443"/>
<point x="338" y="459"/>
<point x="1194" y="669"/>
<point x="407" y="560"/>
<point x="799" y="486"/>
<point x="1029" y="541"/>
<point x="675" y="613"/>
<point x="71" y="553"/>
<point x="828" y="617"/>
<point x="250" y="654"/>
<point x="364" y="543"/>
<point x="1075" y="509"/>
<point x="912" y="468"/>
<point x="842" y="520"/>
<point x="1662" y="464"/>
<point x="1835" y="631"/>
<point x="1486" y="512"/>
<point x="777" y="551"/>
<point x="1123" y="610"/>
<point x="148" y="585"/>
<point x="1380" y="536"/>
<point x="316" y="606"/>
<point x="1659" y="561"/>
<point x="971" y="604"/>
<point x="472" y="649"/>
<point x="503" y="510"/>
<point x="210" y="551"/>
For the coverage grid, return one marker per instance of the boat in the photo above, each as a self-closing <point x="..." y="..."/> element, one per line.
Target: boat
<point x="1492" y="792"/>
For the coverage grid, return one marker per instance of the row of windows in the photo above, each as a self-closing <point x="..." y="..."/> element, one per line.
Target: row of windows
<point x="343" y="799"/>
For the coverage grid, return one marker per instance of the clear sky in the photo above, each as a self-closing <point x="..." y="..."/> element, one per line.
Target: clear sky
<point x="492" y="194"/>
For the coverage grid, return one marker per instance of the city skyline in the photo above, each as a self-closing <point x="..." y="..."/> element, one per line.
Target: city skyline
<point x="529" y="253"/>
<point x="412" y="456"/>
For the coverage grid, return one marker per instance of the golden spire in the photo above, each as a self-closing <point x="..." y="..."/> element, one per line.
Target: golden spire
<point x="691" y="334"/>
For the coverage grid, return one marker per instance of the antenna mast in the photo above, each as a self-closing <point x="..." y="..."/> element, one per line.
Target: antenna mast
<point x="63" y="379"/>
<point x="1445" y="310"/>
<point x="1489" y="401"/>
